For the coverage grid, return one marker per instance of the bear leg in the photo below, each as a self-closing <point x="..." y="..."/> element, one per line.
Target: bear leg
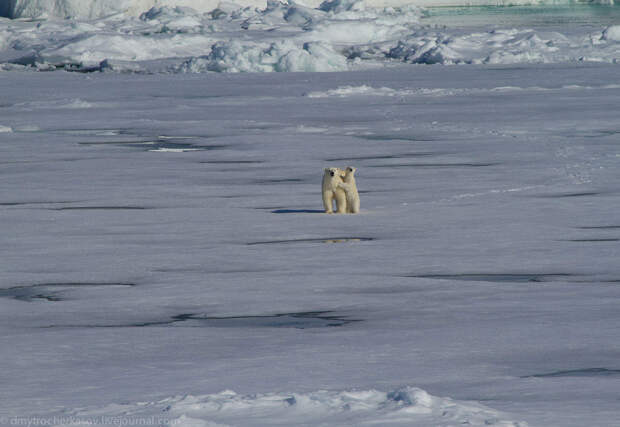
<point x="341" y="201"/>
<point x="328" y="198"/>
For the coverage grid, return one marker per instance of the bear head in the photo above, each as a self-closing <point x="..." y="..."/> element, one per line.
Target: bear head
<point x="334" y="172"/>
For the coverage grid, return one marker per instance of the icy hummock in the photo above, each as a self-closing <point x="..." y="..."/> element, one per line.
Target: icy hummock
<point x="337" y="35"/>
<point x="407" y="406"/>
<point x="90" y="9"/>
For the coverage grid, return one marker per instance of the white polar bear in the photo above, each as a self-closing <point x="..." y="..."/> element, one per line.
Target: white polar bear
<point x="332" y="178"/>
<point x="350" y="187"/>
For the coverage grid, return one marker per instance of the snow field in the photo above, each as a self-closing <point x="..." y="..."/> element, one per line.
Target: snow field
<point x="165" y="242"/>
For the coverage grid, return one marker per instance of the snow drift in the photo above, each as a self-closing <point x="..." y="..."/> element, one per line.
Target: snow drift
<point x="407" y="406"/>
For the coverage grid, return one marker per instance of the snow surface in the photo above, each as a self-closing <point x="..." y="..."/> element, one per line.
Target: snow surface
<point x="142" y="279"/>
<point x="339" y="35"/>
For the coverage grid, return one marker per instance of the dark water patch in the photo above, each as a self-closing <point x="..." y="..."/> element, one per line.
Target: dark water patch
<point x="82" y="68"/>
<point x="52" y="298"/>
<point x="30" y="295"/>
<point x="319" y="240"/>
<point x="35" y="203"/>
<point x="593" y="134"/>
<point x="602" y="240"/>
<point x="383" y="157"/>
<point x="121" y="143"/>
<point x="435" y="165"/>
<point x="120" y="325"/>
<point x="73" y="285"/>
<point x="133" y="139"/>
<point x="588" y="372"/>
<point x="50" y="291"/>
<point x="98" y="208"/>
<point x="301" y="320"/>
<point x="601" y="227"/>
<point x="158" y="145"/>
<point x="498" y="277"/>
<point x="595" y="279"/>
<point x="292" y="211"/>
<point x="178" y="137"/>
<point x="569" y="195"/>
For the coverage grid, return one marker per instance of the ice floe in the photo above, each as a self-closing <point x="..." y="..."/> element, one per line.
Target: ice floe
<point x="89" y="9"/>
<point x="235" y="56"/>
<point x="612" y="33"/>
<point x="506" y="47"/>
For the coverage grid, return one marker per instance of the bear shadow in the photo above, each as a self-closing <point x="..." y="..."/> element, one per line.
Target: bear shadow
<point x="289" y="211"/>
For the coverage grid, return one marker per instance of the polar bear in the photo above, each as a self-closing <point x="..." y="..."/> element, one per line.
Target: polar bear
<point x="350" y="187"/>
<point x="331" y="190"/>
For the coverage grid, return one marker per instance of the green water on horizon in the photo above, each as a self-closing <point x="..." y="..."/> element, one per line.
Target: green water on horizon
<point x="536" y="16"/>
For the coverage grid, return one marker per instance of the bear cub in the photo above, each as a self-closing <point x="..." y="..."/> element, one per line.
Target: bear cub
<point x="350" y="187"/>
